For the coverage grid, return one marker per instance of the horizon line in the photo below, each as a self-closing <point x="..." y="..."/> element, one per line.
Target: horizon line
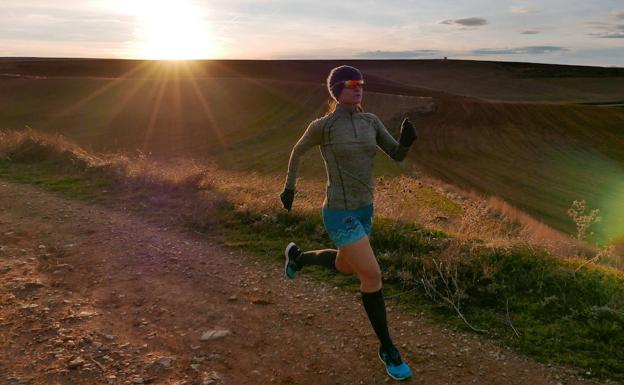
<point x="294" y="59"/>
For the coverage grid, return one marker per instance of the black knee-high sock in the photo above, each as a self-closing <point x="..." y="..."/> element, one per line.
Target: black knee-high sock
<point x="325" y="258"/>
<point x="376" y="310"/>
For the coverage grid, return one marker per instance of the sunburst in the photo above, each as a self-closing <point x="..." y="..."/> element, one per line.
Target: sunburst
<point x="171" y="30"/>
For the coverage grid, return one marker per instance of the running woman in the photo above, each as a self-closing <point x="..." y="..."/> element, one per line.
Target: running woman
<point x="348" y="140"/>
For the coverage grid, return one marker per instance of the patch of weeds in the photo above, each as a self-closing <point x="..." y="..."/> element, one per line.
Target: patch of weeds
<point x="55" y="178"/>
<point x="539" y="305"/>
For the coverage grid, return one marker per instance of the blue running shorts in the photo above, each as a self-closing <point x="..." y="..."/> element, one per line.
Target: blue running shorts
<point x="347" y="226"/>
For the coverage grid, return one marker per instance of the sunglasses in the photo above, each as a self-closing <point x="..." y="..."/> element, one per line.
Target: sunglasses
<point x="352" y="83"/>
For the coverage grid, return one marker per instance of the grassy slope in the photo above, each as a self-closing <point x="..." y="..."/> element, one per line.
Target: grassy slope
<point x="539" y="157"/>
<point x="244" y="123"/>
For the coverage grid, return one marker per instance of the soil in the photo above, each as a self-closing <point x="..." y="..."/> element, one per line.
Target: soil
<point x="122" y="292"/>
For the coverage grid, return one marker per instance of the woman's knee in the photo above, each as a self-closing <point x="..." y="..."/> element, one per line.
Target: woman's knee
<point x="370" y="275"/>
<point x="370" y="283"/>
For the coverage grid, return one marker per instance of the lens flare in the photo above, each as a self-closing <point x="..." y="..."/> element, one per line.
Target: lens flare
<point x="612" y="211"/>
<point x="585" y="174"/>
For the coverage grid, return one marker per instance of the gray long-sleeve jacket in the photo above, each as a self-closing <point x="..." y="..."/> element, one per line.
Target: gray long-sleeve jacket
<point x="348" y="141"/>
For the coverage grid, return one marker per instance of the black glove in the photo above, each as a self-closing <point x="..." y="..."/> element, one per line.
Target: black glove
<point x="287" y="196"/>
<point x="408" y="133"/>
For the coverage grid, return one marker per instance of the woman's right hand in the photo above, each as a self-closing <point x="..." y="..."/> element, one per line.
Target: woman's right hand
<point x="287" y="196"/>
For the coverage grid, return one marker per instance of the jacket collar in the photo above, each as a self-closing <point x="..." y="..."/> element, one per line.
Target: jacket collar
<point x="342" y="108"/>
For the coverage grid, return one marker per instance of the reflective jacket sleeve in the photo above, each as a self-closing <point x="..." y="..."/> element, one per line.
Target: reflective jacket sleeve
<point x="310" y="138"/>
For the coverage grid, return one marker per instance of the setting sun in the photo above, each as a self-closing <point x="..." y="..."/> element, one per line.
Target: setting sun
<point x="171" y="30"/>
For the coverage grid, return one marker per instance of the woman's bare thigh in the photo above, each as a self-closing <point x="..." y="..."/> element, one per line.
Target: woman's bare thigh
<point x="361" y="258"/>
<point x="342" y="265"/>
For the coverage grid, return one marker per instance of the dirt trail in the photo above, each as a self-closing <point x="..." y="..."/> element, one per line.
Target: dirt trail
<point x="98" y="294"/>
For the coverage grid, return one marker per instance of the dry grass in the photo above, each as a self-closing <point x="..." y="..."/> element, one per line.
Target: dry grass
<point x="31" y="146"/>
<point x="536" y="232"/>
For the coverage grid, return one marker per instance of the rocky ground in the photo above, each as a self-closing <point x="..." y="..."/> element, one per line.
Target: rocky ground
<point x="124" y="293"/>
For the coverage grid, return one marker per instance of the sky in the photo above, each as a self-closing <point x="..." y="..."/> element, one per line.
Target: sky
<point x="588" y="32"/>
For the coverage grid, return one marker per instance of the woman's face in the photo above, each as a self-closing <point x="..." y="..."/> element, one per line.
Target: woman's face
<point x="351" y="95"/>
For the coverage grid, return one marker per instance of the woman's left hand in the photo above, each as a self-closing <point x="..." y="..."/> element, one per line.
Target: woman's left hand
<point x="287" y="196"/>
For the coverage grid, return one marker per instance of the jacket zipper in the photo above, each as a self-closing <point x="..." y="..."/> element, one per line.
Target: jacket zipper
<point x="331" y="147"/>
<point x="353" y="124"/>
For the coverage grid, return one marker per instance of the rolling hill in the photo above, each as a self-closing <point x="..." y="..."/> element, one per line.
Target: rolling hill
<point x="513" y="130"/>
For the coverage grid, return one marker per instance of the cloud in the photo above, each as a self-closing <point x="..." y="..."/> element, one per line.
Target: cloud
<point x="523" y="10"/>
<point x="396" y="54"/>
<point x="467" y="22"/>
<point x="532" y="50"/>
<point x="530" y="31"/>
<point x="608" y="29"/>
<point x="277" y="11"/>
<point x="63" y="25"/>
<point x="611" y="35"/>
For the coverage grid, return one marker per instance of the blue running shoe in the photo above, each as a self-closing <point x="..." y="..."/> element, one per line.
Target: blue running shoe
<point x="290" y="266"/>
<point x="395" y="366"/>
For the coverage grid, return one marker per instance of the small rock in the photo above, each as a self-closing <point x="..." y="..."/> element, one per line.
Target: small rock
<point x="210" y="378"/>
<point x="165" y="362"/>
<point x="77" y="362"/>
<point x="214" y="334"/>
<point x="137" y="380"/>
